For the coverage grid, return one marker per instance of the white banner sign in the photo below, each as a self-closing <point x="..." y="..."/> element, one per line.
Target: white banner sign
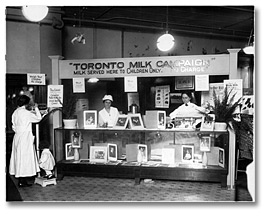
<point x="145" y="67"/>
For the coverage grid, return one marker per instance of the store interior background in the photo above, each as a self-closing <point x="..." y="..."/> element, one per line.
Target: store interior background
<point x="29" y="46"/>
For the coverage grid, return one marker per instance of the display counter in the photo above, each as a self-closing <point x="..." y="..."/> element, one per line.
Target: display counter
<point x="159" y="165"/>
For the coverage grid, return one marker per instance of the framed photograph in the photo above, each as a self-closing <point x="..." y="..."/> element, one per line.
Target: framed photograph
<point x="208" y="122"/>
<point x="69" y="151"/>
<point x="90" y="118"/>
<point x="76" y="138"/>
<point x="185" y="123"/>
<point x="221" y="157"/>
<point x="187" y="153"/>
<point x="142" y="153"/>
<point x="112" y="152"/>
<point x="184" y="83"/>
<point x="161" y="119"/>
<point x="205" y="143"/>
<point x="98" y="154"/>
<point x="176" y="98"/>
<point x="135" y="121"/>
<point x="121" y="122"/>
<point x="197" y="158"/>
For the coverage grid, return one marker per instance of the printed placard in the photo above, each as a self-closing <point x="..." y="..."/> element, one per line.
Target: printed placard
<point x="35" y="79"/>
<point x="78" y="85"/>
<point x="235" y="86"/>
<point x="55" y="95"/>
<point x="201" y="82"/>
<point x="131" y="84"/>
<point x="162" y="98"/>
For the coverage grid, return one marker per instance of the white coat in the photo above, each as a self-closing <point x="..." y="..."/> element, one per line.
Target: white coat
<point x="23" y="161"/>
<point x="46" y="160"/>
<point x="189" y="110"/>
<point x="108" y="117"/>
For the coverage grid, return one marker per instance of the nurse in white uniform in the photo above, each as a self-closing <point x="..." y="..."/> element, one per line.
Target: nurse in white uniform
<point x="23" y="161"/>
<point x="109" y="114"/>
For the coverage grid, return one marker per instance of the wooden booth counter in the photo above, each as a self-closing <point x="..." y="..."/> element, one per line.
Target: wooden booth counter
<point x="165" y="158"/>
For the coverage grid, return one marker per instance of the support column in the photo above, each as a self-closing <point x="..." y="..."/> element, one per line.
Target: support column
<point x="56" y="119"/>
<point x="231" y="166"/>
<point x="57" y="122"/>
<point x="234" y="74"/>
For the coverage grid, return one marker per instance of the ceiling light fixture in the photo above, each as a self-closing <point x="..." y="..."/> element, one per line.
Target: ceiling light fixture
<point x="93" y="80"/>
<point x="35" y="13"/>
<point x="250" y="48"/>
<point x="166" y="41"/>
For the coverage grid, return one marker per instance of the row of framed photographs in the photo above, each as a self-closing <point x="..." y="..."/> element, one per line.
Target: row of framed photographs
<point x="103" y="154"/>
<point x="98" y="154"/>
<point x="188" y="155"/>
<point x="135" y="120"/>
<point x="189" y="123"/>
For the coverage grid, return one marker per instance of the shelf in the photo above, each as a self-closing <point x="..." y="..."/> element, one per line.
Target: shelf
<point x="142" y="130"/>
<point x="156" y="139"/>
<point x="138" y="172"/>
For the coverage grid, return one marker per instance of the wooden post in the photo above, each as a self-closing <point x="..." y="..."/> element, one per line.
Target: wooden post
<point x="234" y="74"/>
<point x="231" y="166"/>
<point x="57" y="116"/>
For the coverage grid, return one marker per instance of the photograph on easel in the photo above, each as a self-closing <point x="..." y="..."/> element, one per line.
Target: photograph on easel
<point x="208" y="122"/>
<point x="76" y="139"/>
<point x="205" y="143"/>
<point x="135" y="121"/>
<point x="69" y="151"/>
<point x="187" y="152"/>
<point x="112" y="152"/>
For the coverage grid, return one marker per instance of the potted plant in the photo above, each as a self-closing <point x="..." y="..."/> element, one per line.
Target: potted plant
<point x="224" y="110"/>
<point x="68" y="110"/>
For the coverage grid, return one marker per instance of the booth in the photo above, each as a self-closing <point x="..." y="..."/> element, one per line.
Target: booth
<point x="157" y="139"/>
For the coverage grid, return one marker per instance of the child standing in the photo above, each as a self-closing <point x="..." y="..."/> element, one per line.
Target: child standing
<point x="46" y="161"/>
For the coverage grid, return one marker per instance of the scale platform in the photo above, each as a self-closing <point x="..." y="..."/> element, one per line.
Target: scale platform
<point x="44" y="182"/>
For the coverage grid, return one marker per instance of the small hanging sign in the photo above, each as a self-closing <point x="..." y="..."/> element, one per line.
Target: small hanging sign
<point x="35" y="79"/>
<point x="78" y="85"/>
<point x="201" y="82"/>
<point x="131" y="84"/>
<point x="162" y="96"/>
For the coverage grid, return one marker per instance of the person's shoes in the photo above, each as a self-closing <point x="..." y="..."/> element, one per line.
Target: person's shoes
<point x="51" y="176"/>
<point x="23" y="185"/>
<point x="149" y="181"/>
